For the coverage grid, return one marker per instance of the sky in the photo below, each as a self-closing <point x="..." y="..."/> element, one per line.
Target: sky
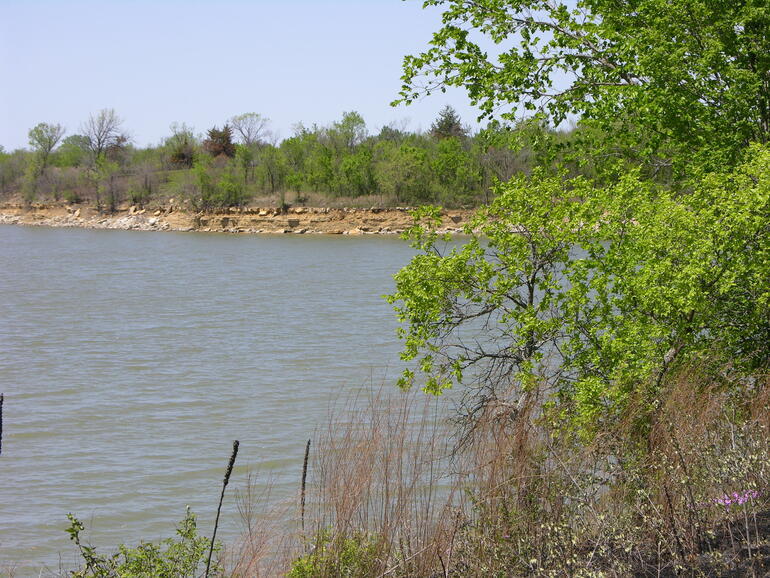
<point x="197" y="62"/>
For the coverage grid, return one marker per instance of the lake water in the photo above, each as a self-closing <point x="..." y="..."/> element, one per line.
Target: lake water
<point x="131" y="360"/>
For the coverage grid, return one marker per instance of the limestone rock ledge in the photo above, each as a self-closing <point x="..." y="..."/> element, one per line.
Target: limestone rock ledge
<point x="296" y="220"/>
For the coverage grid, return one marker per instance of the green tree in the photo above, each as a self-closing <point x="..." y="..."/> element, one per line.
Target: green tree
<point x="72" y="152"/>
<point x="230" y="191"/>
<point x="403" y="172"/>
<point x="319" y="167"/>
<point x="673" y="80"/>
<point x="245" y="158"/>
<point x="348" y="133"/>
<point x="392" y="133"/>
<point x="448" y="125"/>
<point x="273" y="168"/>
<point x="356" y="173"/>
<point x="456" y="171"/>
<point x="43" y="138"/>
<point x="586" y="296"/>
<point x="294" y="152"/>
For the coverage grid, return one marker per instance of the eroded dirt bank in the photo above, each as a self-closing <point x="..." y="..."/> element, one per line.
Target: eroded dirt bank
<point x="296" y="220"/>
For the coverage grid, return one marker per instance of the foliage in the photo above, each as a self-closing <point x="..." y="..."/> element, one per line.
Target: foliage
<point x="273" y="166"/>
<point x="448" y="125"/>
<point x="456" y="171"/>
<point x="231" y="192"/>
<point x="598" y="291"/>
<point x="43" y="138"/>
<point x="348" y="132"/>
<point x="181" y="146"/>
<point x="356" y="173"/>
<point x="522" y="497"/>
<point x="405" y="172"/>
<point x="108" y="190"/>
<point x="353" y="556"/>
<point x="220" y="142"/>
<point x="212" y="189"/>
<point x="31" y="174"/>
<point x="683" y="80"/>
<point x="244" y="159"/>
<point x="339" y="160"/>
<point x="72" y="152"/>
<point x="170" y="558"/>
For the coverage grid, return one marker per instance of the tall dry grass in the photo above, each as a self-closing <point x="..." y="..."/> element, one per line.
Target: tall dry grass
<point x="378" y="484"/>
<point x="679" y="487"/>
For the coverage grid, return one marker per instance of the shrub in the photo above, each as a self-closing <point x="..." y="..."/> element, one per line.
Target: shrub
<point x="351" y="556"/>
<point x="171" y="558"/>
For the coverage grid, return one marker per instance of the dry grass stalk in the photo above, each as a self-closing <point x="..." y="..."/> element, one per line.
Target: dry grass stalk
<point x="681" y="485"/>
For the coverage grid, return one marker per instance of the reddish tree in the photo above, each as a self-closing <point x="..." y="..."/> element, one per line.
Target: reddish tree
<point x="220" y="142"/>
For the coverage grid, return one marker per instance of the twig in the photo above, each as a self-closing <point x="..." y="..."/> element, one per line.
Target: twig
<point x="404" y="561"/>
<point x="221" y="498"/>
<point x="304" y="482"/>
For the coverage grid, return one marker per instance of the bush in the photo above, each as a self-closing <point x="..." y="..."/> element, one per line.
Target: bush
<point x="351" y="556"/>
<point x="171" y="558"/>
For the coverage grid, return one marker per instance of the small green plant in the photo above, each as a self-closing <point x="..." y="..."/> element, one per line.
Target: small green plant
<point x="171" y="558"/>
<point x="349" y="556"/>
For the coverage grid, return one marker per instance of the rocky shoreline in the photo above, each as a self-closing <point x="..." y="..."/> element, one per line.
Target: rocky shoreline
<point x="295" y="220"/>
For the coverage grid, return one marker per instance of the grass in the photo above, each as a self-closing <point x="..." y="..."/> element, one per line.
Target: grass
<point x="391" y="493"/>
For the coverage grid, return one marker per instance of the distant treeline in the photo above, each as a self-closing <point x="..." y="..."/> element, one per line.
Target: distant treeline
<point x="241" y="162"/>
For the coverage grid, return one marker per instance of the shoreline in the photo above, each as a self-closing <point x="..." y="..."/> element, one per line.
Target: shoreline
<point x="250" y="221"/>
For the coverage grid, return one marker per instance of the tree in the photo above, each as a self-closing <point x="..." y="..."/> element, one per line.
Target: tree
<point x="274" y="168"/>
<point x="250" y="128"/>
<point x="404" y="172"/>
<point x="349" y="132"/>
<point x="220" y="142"/>
<point x="107" y="188"/>
<point x="12" y="167"/>
<point x="230" y="191"/>
<point x="181" y="146"/>
<point x="587" y="297"/>
<point x="457" y="173"/>
<point x="671" y="79"/>
<point x="448" y="125"/>
<point x="43" y="138"/>
<point x="244" y="157"/>
<point x="356" y="173"/>
<point x="393" y="132"/>
<point x="73" y="151"/>
<point x="104" y="133"/>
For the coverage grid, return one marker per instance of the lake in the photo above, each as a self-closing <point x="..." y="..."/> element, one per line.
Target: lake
<point x="131" y="360"/>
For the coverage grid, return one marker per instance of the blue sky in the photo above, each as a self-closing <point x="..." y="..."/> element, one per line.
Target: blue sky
<point x="201" y="62"/>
